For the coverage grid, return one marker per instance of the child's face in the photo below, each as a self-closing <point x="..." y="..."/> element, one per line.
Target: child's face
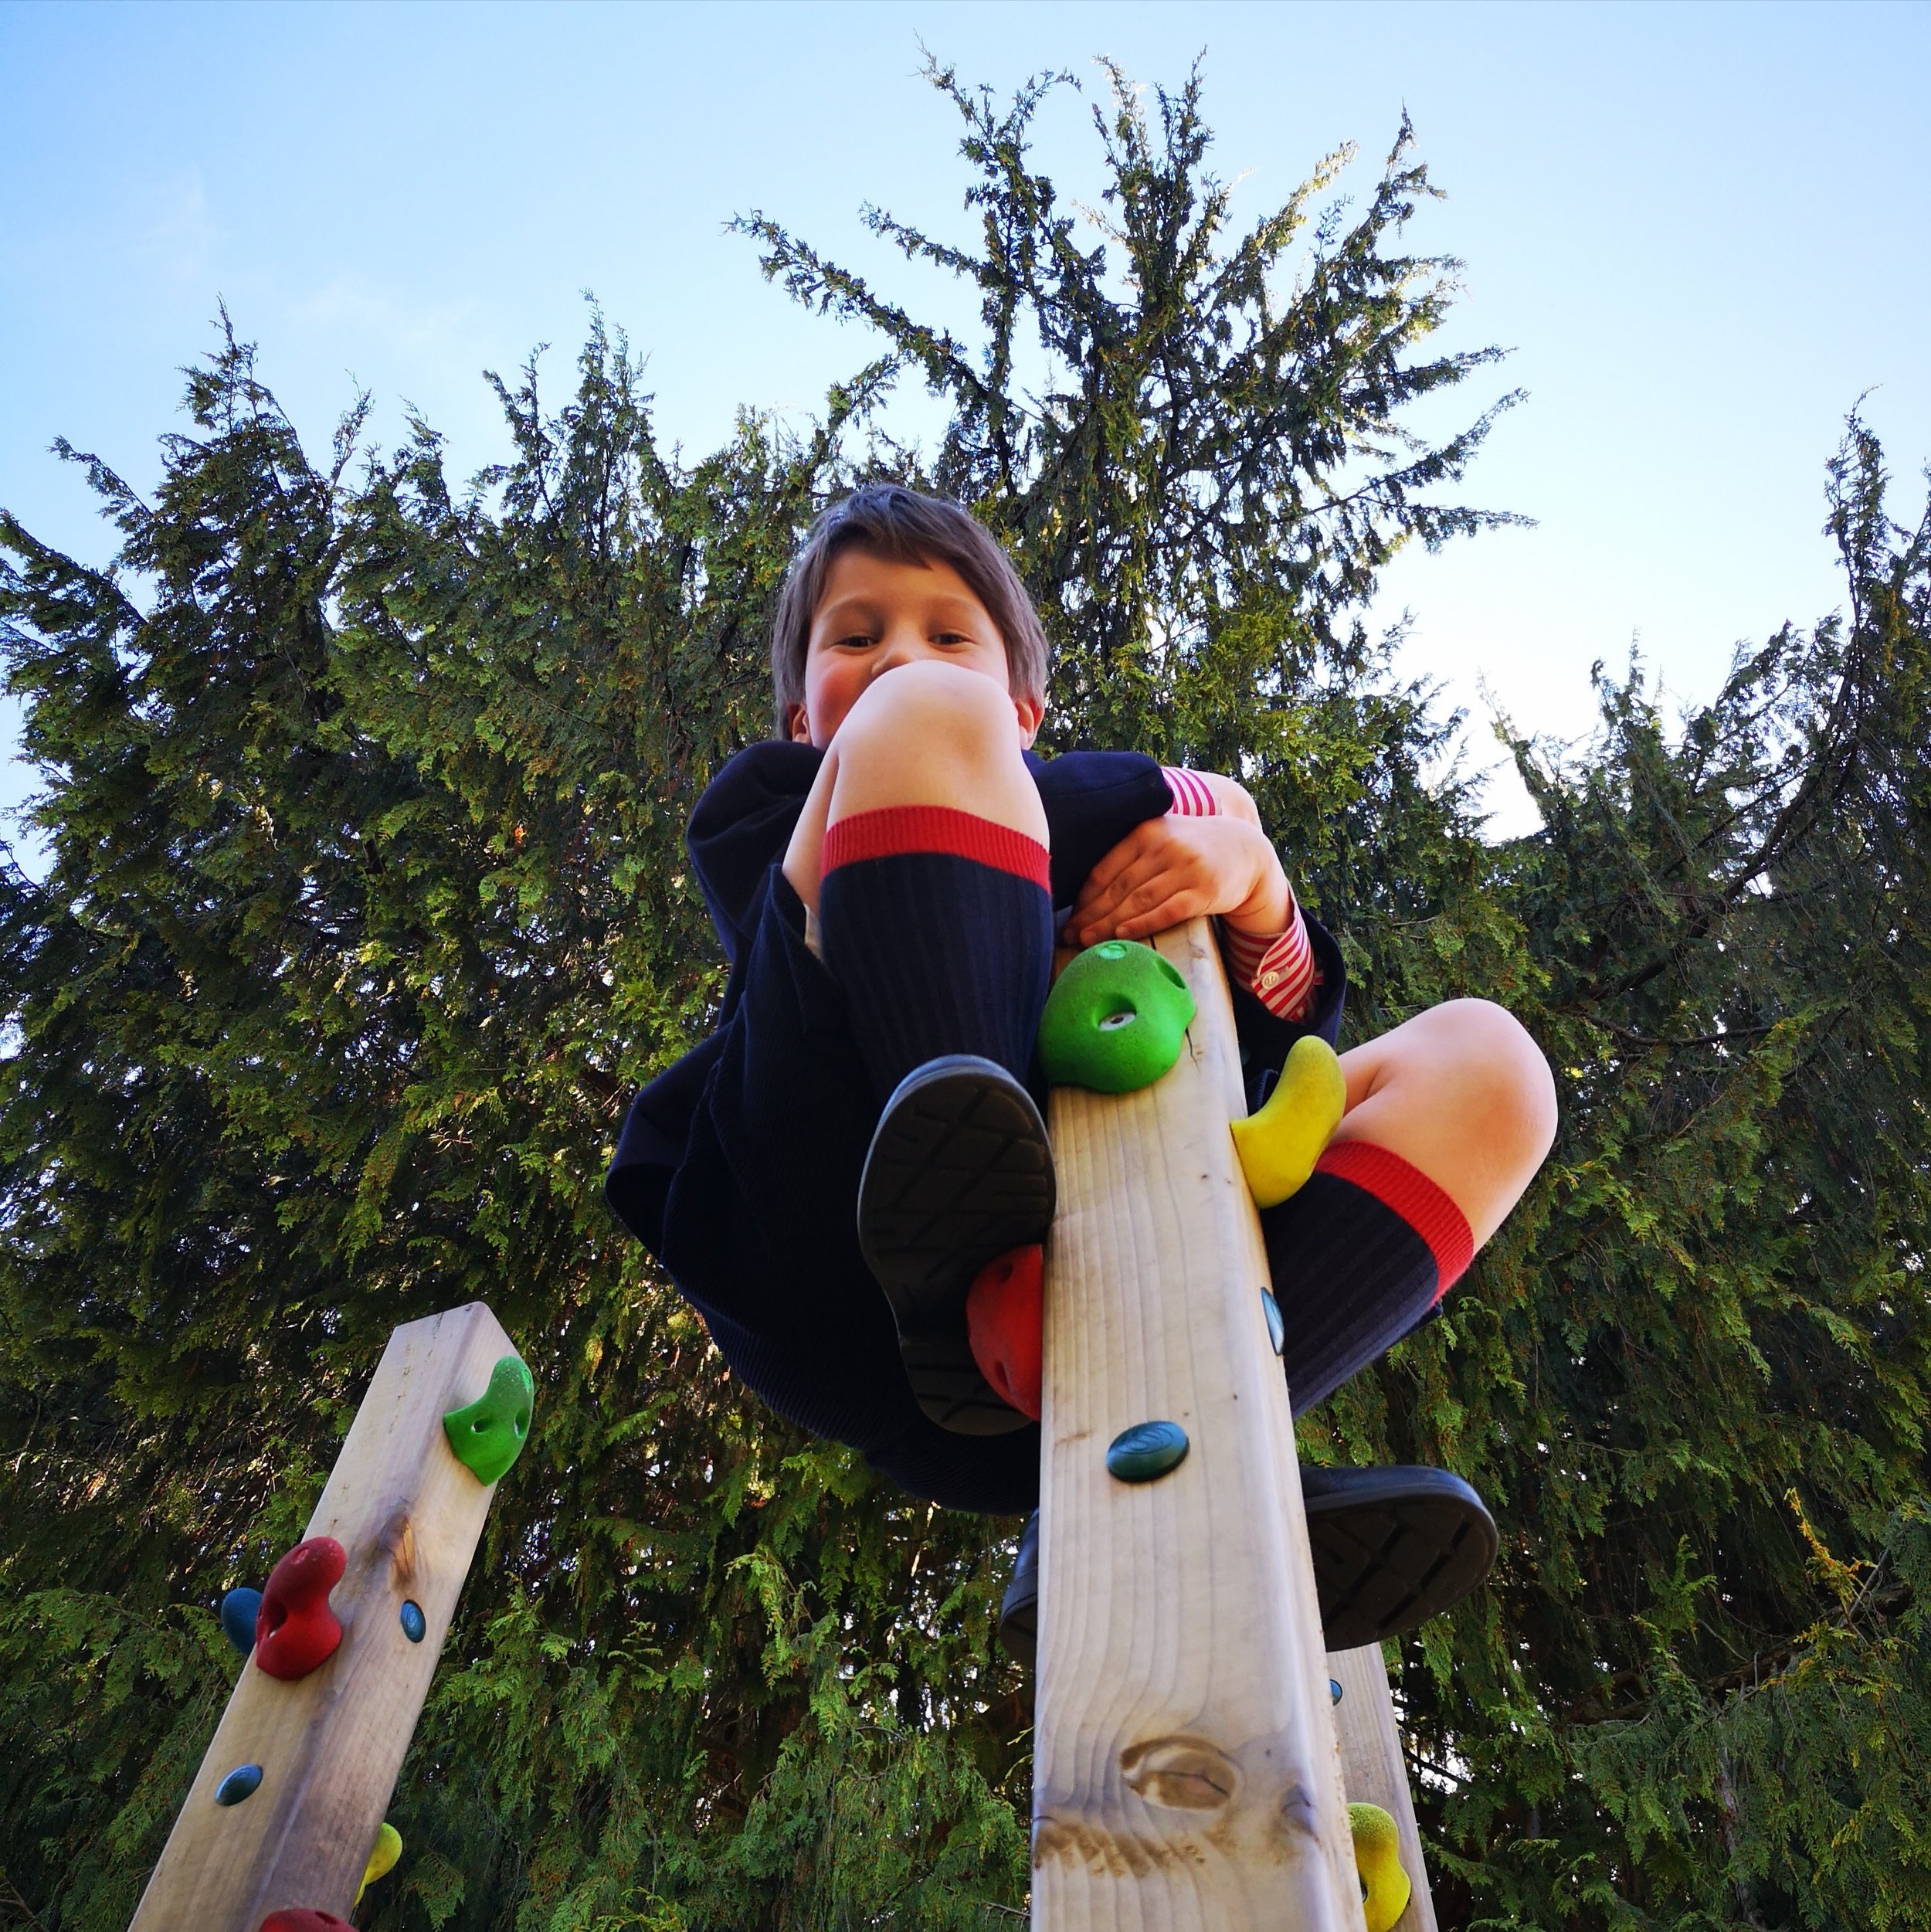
<point x="874" y="616"/>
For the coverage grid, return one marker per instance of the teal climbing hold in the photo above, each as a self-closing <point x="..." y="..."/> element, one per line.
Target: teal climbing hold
<point x="488" y="1436"/>
<point x="243" y="1781"/>
<point x="1145" y="1451"/>
<point x="414" y="1623"/>
<point x="1115" y="1019"/>
<point x="1277" y="1328"/>
<point x="239" y="1610"/>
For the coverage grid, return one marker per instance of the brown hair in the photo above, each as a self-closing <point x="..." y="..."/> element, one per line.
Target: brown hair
<point x="900" y="526"/>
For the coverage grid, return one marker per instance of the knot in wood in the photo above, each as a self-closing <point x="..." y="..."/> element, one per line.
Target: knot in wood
<point x="1185" y="1774"/>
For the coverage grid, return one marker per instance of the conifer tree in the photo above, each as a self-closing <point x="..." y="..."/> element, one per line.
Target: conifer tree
<point x="364" y="912"/>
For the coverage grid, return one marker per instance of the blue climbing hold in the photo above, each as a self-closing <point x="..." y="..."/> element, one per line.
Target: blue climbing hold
<point x="1277" y="1328"/>
<point x="1334" y="1690"/>
<point x="1145" y="1451"/>
<point x="239" y="1610"/>
<point x="243" y="1781"/>
<point x="414" y="1623"/>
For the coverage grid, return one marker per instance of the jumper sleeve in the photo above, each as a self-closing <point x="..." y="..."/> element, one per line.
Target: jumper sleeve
<point x="739" y="831"/>
<point x="1093" y="799"/>
<point x="741" y="828"/>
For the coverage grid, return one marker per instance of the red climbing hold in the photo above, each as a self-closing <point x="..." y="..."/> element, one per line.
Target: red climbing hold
<point x="1005" y="1323"/>
<point x="304" y="1918"/>
<point x="296" y="1630"/>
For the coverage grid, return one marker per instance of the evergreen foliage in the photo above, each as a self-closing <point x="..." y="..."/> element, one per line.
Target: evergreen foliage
<point x="364" y="912"/>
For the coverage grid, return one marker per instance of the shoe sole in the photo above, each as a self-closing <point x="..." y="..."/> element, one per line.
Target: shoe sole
<point x="1391" y="1550"/>
<point x="959" y="1171"/>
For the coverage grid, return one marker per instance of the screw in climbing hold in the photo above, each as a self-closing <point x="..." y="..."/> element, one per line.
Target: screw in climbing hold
<point x="296" y="1630"/>
<point x="1277" y="1328"/>
<point x="1146" y="1451"/>
<point x="243" y="1781"/>
<point x="239" y="1610"/>
<point x="414" y="1622"/>
<point x="489" y="1434"/>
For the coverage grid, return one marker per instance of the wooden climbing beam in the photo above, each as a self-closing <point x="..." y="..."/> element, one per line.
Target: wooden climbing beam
<point x="329" y="1744"/>
<point x="1186" y="1776"/>
<point x="1373" y="1768"/>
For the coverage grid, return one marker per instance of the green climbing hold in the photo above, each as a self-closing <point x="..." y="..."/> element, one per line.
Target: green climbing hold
<point x="243" y="1781"/>
<point x="1145" y="1451"/>
<point x="415" y="1625"/>
<point x="1115" y="1019"/>
<point x="1277" y="1328"/>
<point x="488" y="1436"/>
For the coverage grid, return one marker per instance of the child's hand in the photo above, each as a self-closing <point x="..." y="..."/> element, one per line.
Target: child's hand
<point x="1173" y="869"/>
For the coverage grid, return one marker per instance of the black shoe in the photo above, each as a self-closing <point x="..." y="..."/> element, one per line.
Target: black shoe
<point x="1392" y="1548"/>
<point x="1018" y="1611"/>
<point x="959" y="1171"/>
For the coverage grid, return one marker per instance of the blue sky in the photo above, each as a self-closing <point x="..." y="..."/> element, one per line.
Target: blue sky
<point x="1703" y="230"/>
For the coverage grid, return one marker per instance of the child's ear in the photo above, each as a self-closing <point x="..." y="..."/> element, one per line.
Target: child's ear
<point x="797" y="725"/>
<point x="1032" y="714"/>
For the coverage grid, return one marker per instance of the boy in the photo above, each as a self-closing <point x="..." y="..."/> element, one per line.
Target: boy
<point x="884" y="876"/>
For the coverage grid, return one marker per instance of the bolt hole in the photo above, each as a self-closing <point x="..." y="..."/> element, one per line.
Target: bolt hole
<point x="1114" y="1021"/>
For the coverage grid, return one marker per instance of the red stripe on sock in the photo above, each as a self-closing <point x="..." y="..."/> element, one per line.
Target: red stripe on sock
<point x="1405" y="1189"/>
<point x="901" y="829"/>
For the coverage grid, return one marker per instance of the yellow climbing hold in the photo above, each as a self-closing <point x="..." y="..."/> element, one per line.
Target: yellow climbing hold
<point x="1279" y="1146"/>
<point x="389" y="1849"/>
<point x="1377" y="1857"/>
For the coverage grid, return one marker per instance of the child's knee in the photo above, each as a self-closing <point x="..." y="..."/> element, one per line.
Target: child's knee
<point x="935" y="733"/>
<point x="1503" y="1080"/>
<point x="931" y="710"/>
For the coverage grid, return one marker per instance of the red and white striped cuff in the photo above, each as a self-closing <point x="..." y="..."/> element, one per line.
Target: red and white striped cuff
<point x="1192" y="795"/>
<point x="1279" y="967"/>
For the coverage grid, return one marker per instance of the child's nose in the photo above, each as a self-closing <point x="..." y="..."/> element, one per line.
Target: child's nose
<point x="898" y="647"/>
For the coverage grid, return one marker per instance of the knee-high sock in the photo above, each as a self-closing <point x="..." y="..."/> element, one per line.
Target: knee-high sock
<point x="939" y="925"/>
<point x="1359" y="1256"/>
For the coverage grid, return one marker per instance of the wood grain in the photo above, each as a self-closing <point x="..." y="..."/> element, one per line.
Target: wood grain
<point x="329" y="1745"/>
<point x="1373" y="1769"/>
<point x="1185" y="1775"/>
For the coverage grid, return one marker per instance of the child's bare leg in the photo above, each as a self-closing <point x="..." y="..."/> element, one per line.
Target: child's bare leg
<point x="1463" y="1093"/>
<point x="924" y="734"/>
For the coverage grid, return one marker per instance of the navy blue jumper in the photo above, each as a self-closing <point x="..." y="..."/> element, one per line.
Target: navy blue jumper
<point x="738" y="1167"/>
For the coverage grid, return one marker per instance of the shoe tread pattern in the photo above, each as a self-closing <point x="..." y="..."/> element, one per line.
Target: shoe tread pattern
<point x="958" y="1174"/>
<point x="1381" y="1571"/>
